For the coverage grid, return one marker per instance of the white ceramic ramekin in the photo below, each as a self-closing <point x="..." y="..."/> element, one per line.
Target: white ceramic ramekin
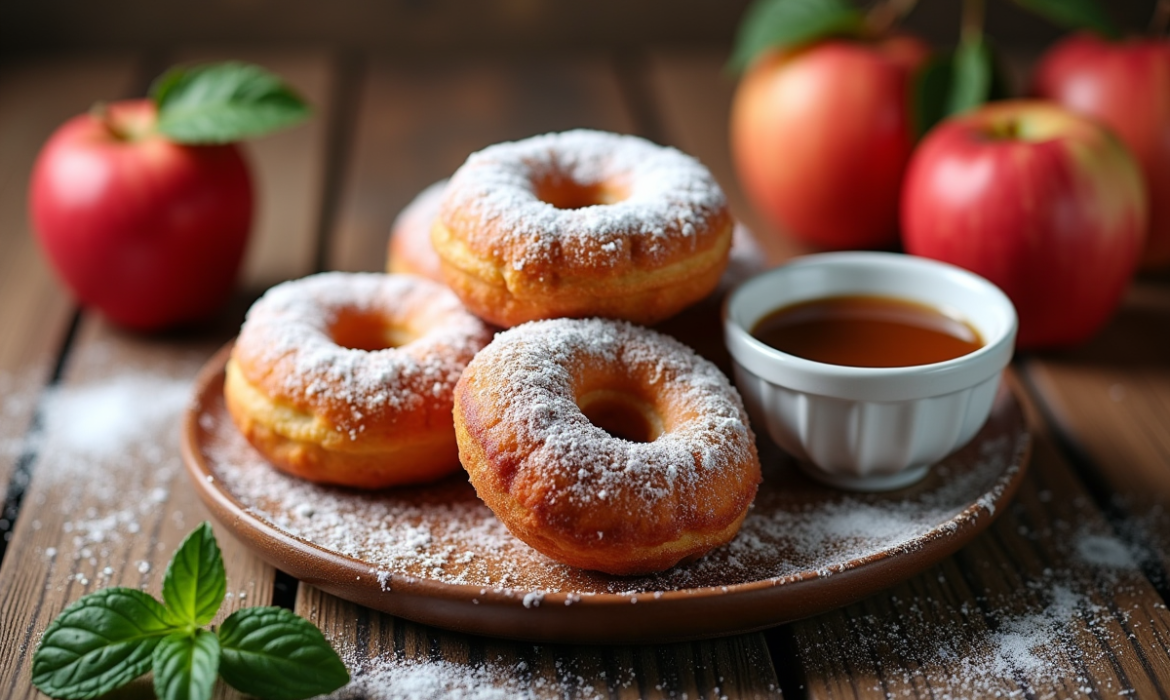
<point x="864" y="428"/>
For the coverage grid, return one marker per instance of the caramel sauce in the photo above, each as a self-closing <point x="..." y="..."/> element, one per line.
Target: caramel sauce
<point x="867" y="331"/>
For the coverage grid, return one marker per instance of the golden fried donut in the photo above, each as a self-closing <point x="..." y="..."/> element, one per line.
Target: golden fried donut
<point x="347" y="378"/>
<point x="409" y="251"/>
<point x="581" y="223"/>
<point x="605" y="445"/>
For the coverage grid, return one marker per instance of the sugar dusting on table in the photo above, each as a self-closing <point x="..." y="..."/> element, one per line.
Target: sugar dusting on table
<point x="121" y="432"/>
<point x="1054" y="634"/>
<point x="407" y="679"/>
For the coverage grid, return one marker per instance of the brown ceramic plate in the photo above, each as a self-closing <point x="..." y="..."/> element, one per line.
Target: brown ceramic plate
<point x="435" y="554"/>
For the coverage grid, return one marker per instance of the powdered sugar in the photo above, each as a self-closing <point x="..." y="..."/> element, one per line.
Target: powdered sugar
<point x="285" y="346"/>
<point x="669" y="195"/>
<point x="97" y="421"/>
<point x="493" y="679"/>
<point x="1060" y="631"/>
<point x="442" y="532"/>
<point x="525" y="387"/>
<point x="1105" y="551"/>
<point x="107" y="451"/>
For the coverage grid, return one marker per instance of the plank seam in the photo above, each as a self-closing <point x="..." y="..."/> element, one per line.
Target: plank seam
<point x="344" y="105"/>
<point x="1089" y="472"/>
<point x="781" y="645"/>
<point x="22" y="472"/>
<point x="629" y="68"/>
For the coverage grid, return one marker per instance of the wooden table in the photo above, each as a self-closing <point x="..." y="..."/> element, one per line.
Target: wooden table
<point x="1065" y="596"/>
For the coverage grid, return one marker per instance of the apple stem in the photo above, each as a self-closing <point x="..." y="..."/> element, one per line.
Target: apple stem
<point x="1161" y="18"/>
<point x="101" y="112"/>
<point x="1006" y="131"/>
<point x="885" y="14"/>
<point x="971" y="27"/>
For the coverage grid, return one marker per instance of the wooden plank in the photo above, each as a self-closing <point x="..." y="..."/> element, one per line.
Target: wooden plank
<point x="109" y="502"/>
<point x="1049" y="603"/>
<point x="693" y="95"/>
<point x="1111" y="399"/>
<point x="415" y="126"/>
<point x="284" y="237"/>
<point x="35" y="98"/>
<point x="417" y="123"/>
<point x="394" y="658"/>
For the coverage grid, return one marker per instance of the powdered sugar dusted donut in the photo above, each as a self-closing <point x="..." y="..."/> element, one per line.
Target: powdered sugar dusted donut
<point x="410" y="251"/>
<point x="347" y="378"/>
<point x="581" y="223"/>
<point x="605" y="445"/>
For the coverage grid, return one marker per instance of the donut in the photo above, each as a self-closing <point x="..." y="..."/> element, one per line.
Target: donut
<point x="347" y="378"/>
<point x="605" y="445"/>
<point x="409" y="251"/>
<point x="580" y="224"/>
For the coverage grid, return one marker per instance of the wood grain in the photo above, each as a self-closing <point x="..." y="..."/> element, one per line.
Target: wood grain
<point x="35" y="98"/>
<point x="391" y="657"/>
<point x="109" y="502"/>
<point x="417" y="123"/>
<point x="1048" y="603"/>
<point x="1110" y="398"/>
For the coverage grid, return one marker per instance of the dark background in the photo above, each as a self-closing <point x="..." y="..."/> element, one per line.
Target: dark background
<point x="444" y="27"/>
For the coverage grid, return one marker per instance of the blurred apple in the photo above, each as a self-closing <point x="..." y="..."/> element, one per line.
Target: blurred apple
<point x="821" y="135"/>
<point x="1126" y="85"/>
<point x="148" y="231"/>
<point x="1045" y="203"/>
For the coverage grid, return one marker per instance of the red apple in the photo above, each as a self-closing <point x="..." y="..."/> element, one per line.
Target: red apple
<point x="1126" y="85"/>
<point x="1045" y="203"/>
<point x="148" y="231"/>
<point x="821" y="135"/>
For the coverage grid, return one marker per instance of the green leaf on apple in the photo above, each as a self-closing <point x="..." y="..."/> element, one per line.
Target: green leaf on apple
<point x="771" y="24"/>
<point x="224" y="102"/>
<point x="971" y="76"/>
<point x="956" y="83"/>
<point x="1074" y="14"/>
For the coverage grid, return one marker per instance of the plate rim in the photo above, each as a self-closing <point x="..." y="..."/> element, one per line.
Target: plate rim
<point x="308" y="560"/>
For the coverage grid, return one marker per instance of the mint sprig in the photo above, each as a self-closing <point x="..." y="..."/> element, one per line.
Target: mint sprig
<point x="108" y="638"/>
<point x="224" y="102"/>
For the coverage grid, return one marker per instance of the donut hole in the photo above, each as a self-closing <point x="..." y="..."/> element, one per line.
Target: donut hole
<point x="565" y="193"/>
<point x="368" y="330"/>
<point x="622" y="415"/>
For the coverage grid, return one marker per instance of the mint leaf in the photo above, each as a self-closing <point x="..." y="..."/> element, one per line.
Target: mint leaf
<point x="98" y="643"/>
<point x="272" y="653"/>
<point x="195" y="582"/>
<point x="1074" y="14"/>
<point x="224" y="102"/>
<point x="783" y="23"/>
<point x="185" y="665"/>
